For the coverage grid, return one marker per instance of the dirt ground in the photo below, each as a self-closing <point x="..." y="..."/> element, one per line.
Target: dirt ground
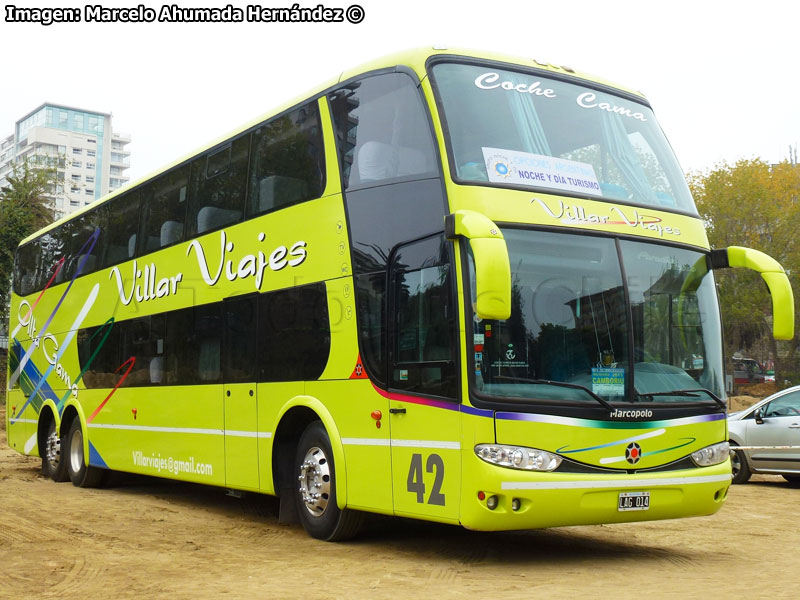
<point x="150" y="538"/>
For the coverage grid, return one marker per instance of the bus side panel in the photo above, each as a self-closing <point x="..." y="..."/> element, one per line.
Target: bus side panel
<point x="18" y="428"/>
<point x="175" y="432"/>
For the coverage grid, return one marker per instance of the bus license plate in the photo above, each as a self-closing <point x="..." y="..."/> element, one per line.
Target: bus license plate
<point x="634" y="501"/>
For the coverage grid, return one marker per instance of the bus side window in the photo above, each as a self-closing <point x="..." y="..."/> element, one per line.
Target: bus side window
<point x="81" y="255"/>
<point x="371" y="309"/>
<point x="25" y="269"/>
<point x="143" y="338"/>
<point x="121" y="228"/>
<point x="164" y="206"/>
<point x="423" y="348"/>
<point x="219" y="181"/>
<point x="192" y="346"/>
<point x="103" y="351"/>
<point x="239" y="341"/>
<point x="383" y="131"/>
<point x="295" y="328"/>
<point x="52" y="247"/>
<point x="287" y="163"/>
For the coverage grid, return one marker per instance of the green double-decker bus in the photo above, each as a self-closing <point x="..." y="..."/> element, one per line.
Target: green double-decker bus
<point x="448" y="285"/>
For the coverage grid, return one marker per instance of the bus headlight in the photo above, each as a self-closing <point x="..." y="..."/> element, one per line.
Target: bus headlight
<point x="517" y="457"/>
<point x="712" y="455"/>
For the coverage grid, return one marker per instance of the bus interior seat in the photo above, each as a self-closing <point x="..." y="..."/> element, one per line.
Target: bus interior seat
<point x="116" y="254"/>
<point x="132" y="246"/>
<point x="157" y="369"/>
<point x="26" y="284"/>
<point x="377" y="161"/>
<point x="171" y="232"/>
<point x="89" y="263"/>
<point x="61" y="273"/>
<point x="209" y="360"/>
<point x="277" y="190"/>
<point x="211" y="217"/>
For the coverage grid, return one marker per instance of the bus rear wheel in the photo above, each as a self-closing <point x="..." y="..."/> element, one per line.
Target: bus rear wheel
<point x="81" y="474"/>
<point x="315" y="490"/>
<point x="54" y="462"/>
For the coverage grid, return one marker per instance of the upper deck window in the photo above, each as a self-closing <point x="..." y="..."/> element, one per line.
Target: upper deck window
<point x="384" y="135"/>
<point x="522" y="130"/>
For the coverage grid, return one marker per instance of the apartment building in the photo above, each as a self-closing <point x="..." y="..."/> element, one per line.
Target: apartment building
<point x="91" y="159"/>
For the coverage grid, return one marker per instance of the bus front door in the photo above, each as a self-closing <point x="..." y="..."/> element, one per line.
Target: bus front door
<point x="240" y="393"/>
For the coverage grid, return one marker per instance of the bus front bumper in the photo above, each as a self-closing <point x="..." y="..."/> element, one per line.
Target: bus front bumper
<point x="497" y="498"/>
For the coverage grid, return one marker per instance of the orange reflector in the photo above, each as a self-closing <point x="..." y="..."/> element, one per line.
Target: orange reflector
<point x="377" y="415"/>
<point x="481" y="496"/>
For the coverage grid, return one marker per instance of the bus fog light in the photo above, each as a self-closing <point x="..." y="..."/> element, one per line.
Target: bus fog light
<point x="515" y="504"/>
<point x="711" y="455"/>
<point x="491" y="502"/>
<point x="518" y="457"/>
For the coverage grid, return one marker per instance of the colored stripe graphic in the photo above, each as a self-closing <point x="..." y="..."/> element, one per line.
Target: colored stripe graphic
<point x="87" y="305"/>
<point x="130" y="362"/>
<point x="91" y="243"/>
<point x="89" y="362"/>
<point x="635" y="438"/>
<point x="59" y="264"/>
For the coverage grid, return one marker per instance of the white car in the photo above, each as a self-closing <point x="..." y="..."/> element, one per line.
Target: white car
<point x="765" y="438"/>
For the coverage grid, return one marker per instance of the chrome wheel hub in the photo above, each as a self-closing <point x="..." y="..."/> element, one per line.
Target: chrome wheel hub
<point x="76" y="451"/>
<point x="53" y="448"/>
<point x="315" y="481"/>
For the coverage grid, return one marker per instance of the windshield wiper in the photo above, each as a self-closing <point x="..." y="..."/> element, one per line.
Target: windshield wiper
<point x="692" y="393"/>
<point x="573" y="386"/>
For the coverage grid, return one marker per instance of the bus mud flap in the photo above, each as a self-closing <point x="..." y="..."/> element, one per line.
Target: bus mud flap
<point x="287" y="511"/>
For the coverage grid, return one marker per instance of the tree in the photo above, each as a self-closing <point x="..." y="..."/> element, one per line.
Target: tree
<point x="24" y="208"/>
<point x="756" y="205"/>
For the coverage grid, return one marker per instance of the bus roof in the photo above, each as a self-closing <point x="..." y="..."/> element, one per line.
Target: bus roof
<point x="415" y="59"/>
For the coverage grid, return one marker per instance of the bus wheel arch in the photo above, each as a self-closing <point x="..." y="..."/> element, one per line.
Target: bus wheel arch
<point x="295" y="416"/>
<point x="315" y="494"/>
<point x="284" y="445"/>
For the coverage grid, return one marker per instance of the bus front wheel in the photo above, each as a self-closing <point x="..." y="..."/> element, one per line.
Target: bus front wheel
<point x="81" y="474"/>
<point x="315" y="490"/>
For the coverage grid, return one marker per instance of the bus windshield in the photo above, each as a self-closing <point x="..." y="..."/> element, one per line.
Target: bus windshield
<point x="519" y="129"/>
<point x="615" y="319"/>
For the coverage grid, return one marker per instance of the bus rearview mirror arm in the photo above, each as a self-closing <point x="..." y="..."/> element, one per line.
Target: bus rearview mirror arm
<point x="492" y="267"/>
<point x="773" y="275"/>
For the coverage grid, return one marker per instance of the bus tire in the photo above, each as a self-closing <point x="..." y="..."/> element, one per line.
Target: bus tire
<point x="81" y="474"/>
<point x="740" y="471"/>
<point x="54" y="458"/>
<point x="315" y="489"/>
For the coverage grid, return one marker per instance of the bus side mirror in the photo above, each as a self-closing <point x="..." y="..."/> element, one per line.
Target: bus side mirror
<point x="492" y="267"/>
<point x="775" y="277"/>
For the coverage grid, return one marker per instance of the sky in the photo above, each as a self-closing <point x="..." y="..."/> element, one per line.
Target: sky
<point x="722" y="77"/>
